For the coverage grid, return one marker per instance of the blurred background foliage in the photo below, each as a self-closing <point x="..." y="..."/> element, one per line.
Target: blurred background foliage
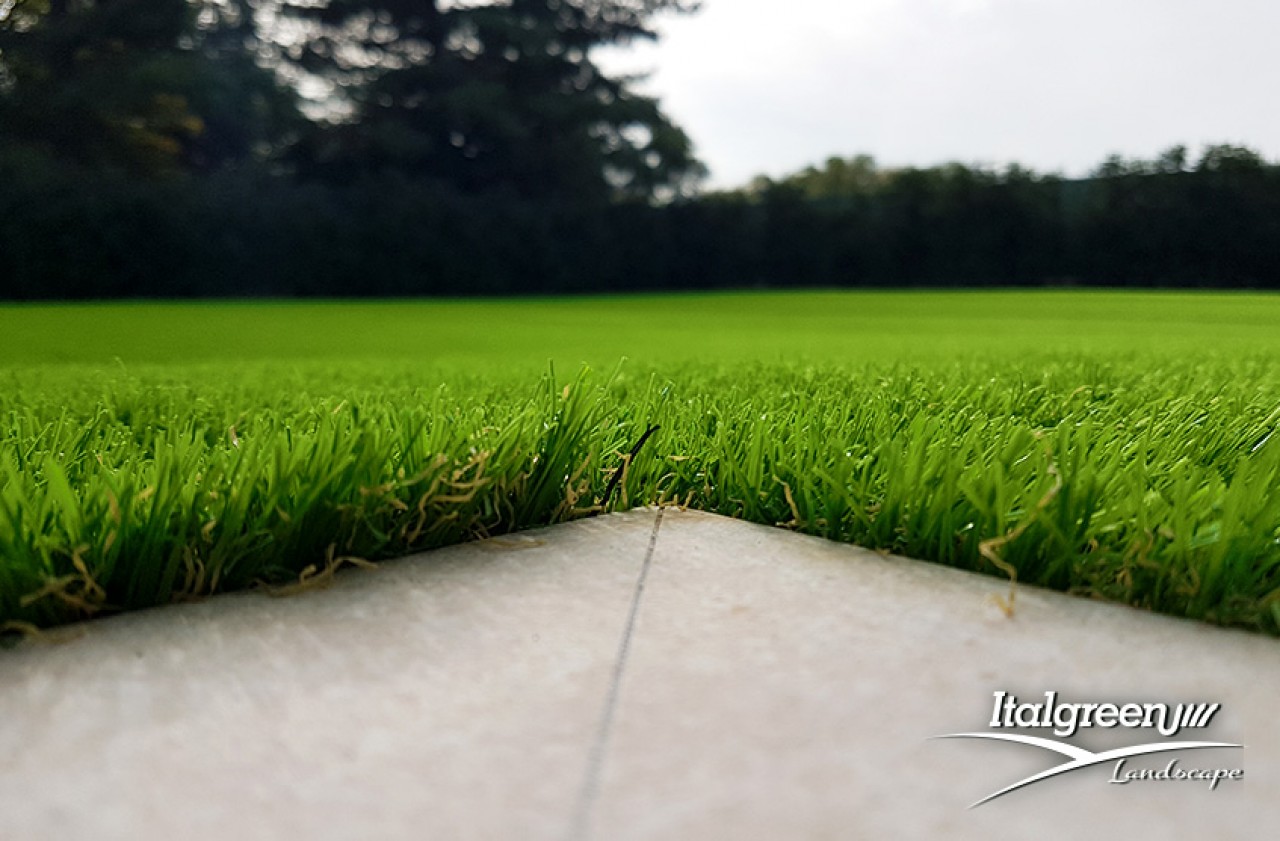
<point x="405" y="147"/>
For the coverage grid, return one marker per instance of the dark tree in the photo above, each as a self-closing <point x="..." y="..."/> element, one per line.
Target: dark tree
<point x="149" y="86"/>
<point x="495" y="97"/>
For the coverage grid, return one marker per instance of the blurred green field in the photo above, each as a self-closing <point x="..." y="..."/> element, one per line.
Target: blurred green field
<point x="1117" y="445"/>
<point x="819" y="327"/>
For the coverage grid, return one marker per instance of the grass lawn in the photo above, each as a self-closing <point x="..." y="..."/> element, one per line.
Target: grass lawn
<point x="1115" y="445"/>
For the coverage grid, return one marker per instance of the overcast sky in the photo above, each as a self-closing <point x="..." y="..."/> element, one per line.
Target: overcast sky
<point x="769" y="86"/>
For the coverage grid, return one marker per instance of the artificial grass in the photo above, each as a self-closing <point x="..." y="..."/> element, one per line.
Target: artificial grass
<point x="1118" y="446"/>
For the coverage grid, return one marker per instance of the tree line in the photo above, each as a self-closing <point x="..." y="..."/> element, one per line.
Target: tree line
<point x="425" y="147"/>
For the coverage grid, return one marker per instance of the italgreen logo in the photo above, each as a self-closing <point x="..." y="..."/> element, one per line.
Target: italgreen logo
<point x="1065" y="719"/>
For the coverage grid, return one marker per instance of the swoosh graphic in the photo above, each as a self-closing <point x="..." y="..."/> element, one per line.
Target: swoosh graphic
<point x="1080" y="758"/>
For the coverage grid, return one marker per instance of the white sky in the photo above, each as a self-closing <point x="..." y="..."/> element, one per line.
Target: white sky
<point x="770" y="86"/>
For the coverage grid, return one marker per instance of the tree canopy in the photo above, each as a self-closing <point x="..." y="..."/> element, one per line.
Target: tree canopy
<point x="491" y="96"/>
<point x="411" y="147"/>
<point x="150" y="86"/>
